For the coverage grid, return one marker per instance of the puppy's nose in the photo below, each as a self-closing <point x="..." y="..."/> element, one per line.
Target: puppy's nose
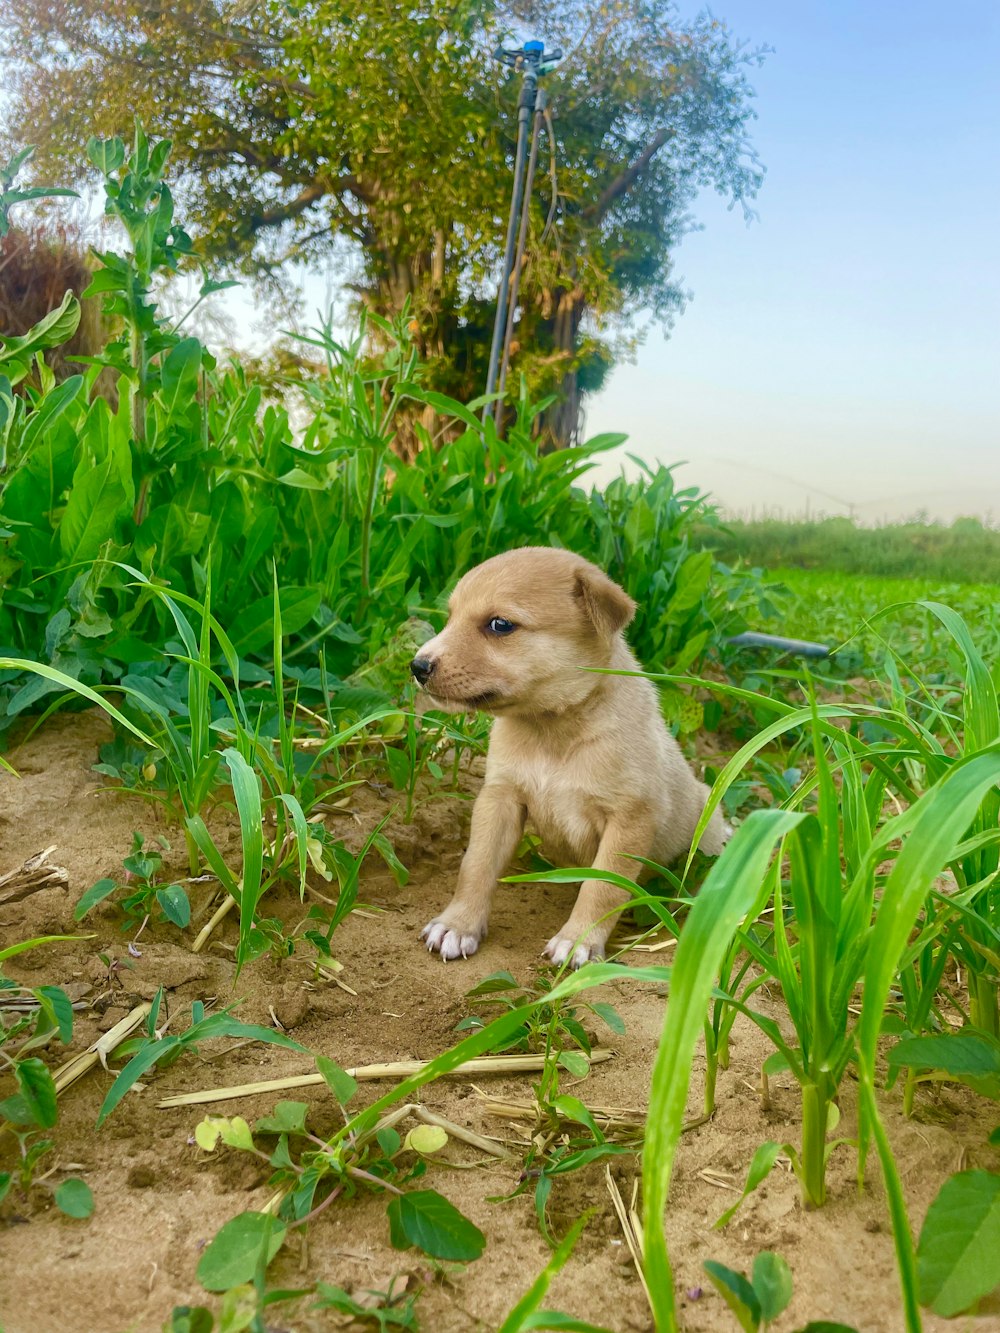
<point x="422" y="668"/>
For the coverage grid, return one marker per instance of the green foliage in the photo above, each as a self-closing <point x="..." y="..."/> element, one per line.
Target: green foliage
<point x="142" y="894"/>
<point x="546" y="1026"/>
<point x="9" y="195"/>
<point x="73" y="1197"/>
<point x="232" y="1257"/>
<point x="756" y="1301"/>
<point x="427" y="1220"/>
<point x="958" y="1255"/>
<point x="30" y="1017"/>
<point x="193" y="482"/>
<point x="373" y="1160"/>
<point x="389" y="1312"/>
<point x="156" y="1048"/>
<point x="250" y="595"/>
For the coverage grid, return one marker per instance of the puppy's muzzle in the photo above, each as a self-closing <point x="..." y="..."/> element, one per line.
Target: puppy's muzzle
<point x="422" y="669"/>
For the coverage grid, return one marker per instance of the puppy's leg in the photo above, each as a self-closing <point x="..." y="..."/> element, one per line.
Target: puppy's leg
<point x="585" y="934"/>
<point x="497" y="824"/>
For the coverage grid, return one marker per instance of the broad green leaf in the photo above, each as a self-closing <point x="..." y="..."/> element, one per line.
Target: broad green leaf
<point x="94" y="895"/>
<point x="179" y="374"/>
<point x="247" y="1243"/>
<point x="737" y="1292"/>
<point x="771" y="1279"/>
<point x="388" y="1140"/>
<point x="495" y="983"/>
<point x="974" y="1054"/>
<point x="286" y="1118"/>
<point x="426" y="1139"/>
<point x="57" y="327"/>
<point x="427" y="1220"/>
<point x="60" y="1007"/>
<point x="98" y="499"/>
<point x="256" y="625"/>
<point x="958" y="1254"/>
<point x="236" y="1134"/>
<point x="340" y="1083"/>
<point x="610" y="1015"/>
<point x="575" y="1063"/>
<point x="574" y="1109"/>
<point x="207" y="1132"/>
<point x="107" y="155"/>
<point x="38" y="1090"/>
<point x="175" y="905"/>
<point x="74" y="1198"/>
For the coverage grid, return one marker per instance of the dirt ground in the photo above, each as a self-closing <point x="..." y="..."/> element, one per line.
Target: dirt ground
<point x="159" y="1198"/>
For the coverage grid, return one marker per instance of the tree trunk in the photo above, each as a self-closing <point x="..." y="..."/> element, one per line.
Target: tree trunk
<point x="561" y="422"/>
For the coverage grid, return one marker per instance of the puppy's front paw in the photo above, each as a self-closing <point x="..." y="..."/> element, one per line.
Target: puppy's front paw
<point x="577" y="945"/>
<point x="452" y="935"/>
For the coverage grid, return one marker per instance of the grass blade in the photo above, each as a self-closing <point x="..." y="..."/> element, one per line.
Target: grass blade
<point x="246" y="789"/>
<point x="717" y="912"/>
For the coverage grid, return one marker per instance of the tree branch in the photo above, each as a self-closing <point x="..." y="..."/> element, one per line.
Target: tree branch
<point x="596" y="211"/>
<point x="307" y="196"/>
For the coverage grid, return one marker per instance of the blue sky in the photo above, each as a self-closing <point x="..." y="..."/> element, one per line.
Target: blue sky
<point x="843" y="349"/>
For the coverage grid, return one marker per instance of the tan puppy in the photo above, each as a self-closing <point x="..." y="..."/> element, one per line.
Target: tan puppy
<point x="587" y="758"/>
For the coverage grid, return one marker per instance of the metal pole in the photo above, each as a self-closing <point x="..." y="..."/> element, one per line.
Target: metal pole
<point x="515" y="280"/>
<point x="532" y="61"/>
<point x="523" y="114"/>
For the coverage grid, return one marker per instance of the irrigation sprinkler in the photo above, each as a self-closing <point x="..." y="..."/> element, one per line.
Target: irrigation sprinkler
<point x="532" y="63"/>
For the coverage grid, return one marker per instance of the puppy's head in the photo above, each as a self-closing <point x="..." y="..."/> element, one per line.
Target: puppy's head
<point x="520" y="627"/>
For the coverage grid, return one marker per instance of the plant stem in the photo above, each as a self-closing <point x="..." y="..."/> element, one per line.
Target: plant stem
<point x="367" y="518"/>
<point x="983" y="1008"/>
<point x="815" y="1105"/>
<point x="901" y="1234"/>
<point x="711" y="1068"/>
<point x="194" y="860"/>
<point x="909" y="1088"/>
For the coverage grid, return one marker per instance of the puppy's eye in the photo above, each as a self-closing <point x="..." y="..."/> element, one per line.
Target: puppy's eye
<point x="497" y="625"/>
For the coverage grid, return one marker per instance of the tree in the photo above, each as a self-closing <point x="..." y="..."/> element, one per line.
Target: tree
<point x="381" y="133"/>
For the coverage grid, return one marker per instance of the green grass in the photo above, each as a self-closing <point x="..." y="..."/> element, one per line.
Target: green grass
<point x="831" y="607"/>
<point x="965" y="551"/>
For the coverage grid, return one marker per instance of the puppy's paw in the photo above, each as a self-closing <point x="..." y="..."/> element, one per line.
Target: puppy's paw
<point x="452" y="936"/>
<point x="569" y="944"/>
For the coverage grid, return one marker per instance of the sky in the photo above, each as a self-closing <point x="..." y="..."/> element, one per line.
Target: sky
<point x="840" y="354"/>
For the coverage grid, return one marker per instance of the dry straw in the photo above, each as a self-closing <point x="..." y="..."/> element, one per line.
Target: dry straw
<point x="486" y="1064"/>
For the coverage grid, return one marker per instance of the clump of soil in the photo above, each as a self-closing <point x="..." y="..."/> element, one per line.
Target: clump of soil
<point x="160" y="1199"/>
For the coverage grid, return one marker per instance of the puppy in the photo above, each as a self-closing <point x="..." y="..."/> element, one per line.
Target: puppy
<point x="586" y="758"/>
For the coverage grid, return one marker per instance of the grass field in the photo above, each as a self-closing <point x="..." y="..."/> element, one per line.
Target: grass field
<point x="965" y="551"/>
<point x="861" y="615"/>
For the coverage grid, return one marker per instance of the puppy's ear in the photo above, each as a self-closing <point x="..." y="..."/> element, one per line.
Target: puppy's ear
<point x="608" y="607"/>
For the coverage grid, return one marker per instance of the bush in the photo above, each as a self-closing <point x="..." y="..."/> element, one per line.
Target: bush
<point x="195" y="482"/>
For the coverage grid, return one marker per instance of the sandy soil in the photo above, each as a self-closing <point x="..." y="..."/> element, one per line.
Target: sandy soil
<point x="159" y="1198"/>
